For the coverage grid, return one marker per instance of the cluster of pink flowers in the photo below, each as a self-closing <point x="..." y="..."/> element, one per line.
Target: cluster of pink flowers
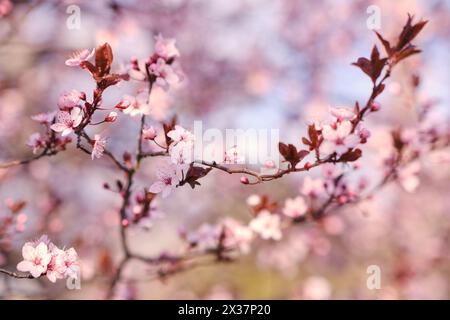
<point x="42" y="257"/>
<point x="341" y="135"/>
<point x="38" y="141"/>
<point x="229" y="235"/>
<point x="160" y="65"/>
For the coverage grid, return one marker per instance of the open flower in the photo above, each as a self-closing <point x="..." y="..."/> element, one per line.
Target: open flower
<point x="342" y="113"/>
<point x="295" y="208"/>
<point x="165" y="74"/>
<point x="338" y="138"/>
<point x="35" y="259"/>
<point x="70" y="99"/>
<point x="36" y="141"/>
<point x="168" y="179"/>
<point x="98" y="147"/>
<point x="236" y="235"/>
<point x="179" y="134"/>
<point x="134" y="106"/>
<point x="267" y="225"/>
<point x="44" y="118"/>
<point x="78" y="57"/>
<point x="67" y="121"/>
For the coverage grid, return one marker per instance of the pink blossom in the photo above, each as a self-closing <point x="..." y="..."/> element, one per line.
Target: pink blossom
<point x="182" y="152"/>
<point x="338" y="138"/>
<point x="70" y="99"/>
<point x="134" y="106"/>
<point x="165" y="47"/>
<point x="312" y="187"/>
<point x="363" y="133"/>
<point x="295" y="208"/>
<point x="267" y="225"/>
<point x="71" y="263"/>
<point x="149" y="133"/>
<point x="67" y="121"/>
<point x="44" y="118"/>
<point x="35" y="259"/>
<point x="237" y="235"/>
<point x="168" y="178"/>
<point x="36" y="141"/>
<point x="78" y="57"/>
<point x="56" y="266"/>
<point x="342" y="113"/>
<point x="165" y="74"/>
<point x="179" y="134"/>
<point x="98" y="147"/>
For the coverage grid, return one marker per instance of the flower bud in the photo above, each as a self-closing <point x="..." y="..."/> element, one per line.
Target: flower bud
<point x="149" y="133"/>
<point x="111" y="117"/>
<point x="375" y="106"/>
<point x="244" y="180"/>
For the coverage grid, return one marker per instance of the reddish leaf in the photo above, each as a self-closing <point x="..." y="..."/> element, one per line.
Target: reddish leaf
<point x="103" y="60"/>
<point x="193" y="174"/>
<point x="351" y="155"/>
<point x="409" y="32"/>
<point x="386" y="44"/>
<point x="290" y="153"/>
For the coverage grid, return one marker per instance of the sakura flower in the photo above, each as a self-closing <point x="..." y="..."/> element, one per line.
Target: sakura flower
<point x="78" y="57"/>
<point x="295" y="208"/>
<point x="312" y="187"/>
<point x="179" y="134"/>
<point x="165" y="47"/>
<point x="168" y="179"/>
<point x="36" y="141"/>
<point x="182" y="153"/>
<point x="98" y="147"/>
<point x="67" y="121"/>
<point x="236" y="235"/>
<point x="267" y="225"/>
<point x="35" y="259"/>
<point x="134" y="106"/>
<point x="138" y="70"/>
<point x="56" y="266"/>
<point x="338" y="138"/>
<point x="165" y="74"/>
<point x="149" y="133"/>
<point x="71" y="263"/>
<point x="44" y="118"/>
<point x="70" y="99"/>
<point x="342" y="113"/>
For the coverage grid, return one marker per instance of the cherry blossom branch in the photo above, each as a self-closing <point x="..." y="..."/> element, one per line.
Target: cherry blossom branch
<point x="14" y="163"/>
<point x="16" y="275"/>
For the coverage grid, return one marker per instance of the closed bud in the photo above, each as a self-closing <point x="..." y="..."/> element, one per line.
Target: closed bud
<point x="111" y="117"/>
<point x="244" y="180"/>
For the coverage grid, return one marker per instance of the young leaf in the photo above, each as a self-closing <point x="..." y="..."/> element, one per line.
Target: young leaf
<point x="103" y="60"/>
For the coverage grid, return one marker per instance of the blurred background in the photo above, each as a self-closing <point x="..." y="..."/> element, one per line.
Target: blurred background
<point x="247" y="64"/>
